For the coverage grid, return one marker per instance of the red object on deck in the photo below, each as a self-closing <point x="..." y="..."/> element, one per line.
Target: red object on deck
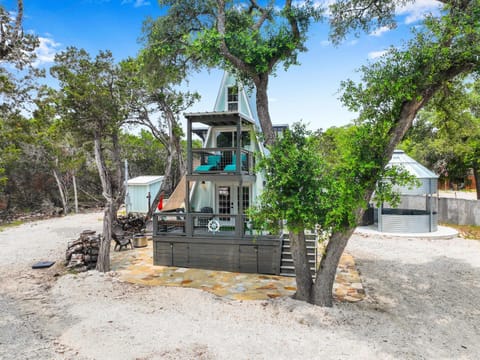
<point x="160" y="203"/>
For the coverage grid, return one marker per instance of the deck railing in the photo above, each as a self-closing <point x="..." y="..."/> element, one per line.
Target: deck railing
<point x="223" y="160"/>
<point x="205" y="224"/>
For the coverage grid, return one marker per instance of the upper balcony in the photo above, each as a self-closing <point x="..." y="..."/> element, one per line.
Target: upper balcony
<point x="228" y="146"/>
<point x="222" y="161"/>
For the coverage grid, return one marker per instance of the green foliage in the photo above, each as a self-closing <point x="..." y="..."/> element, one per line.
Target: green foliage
<point x="400" y="83"/>
<point x="93" y="96"/>
<point x="17" y="49"/>
<point x="247" y="38"/>
<point x="322" y="179"/>
<point x="295" y="184"/>
<point x="145" y="154"/>
<point x="360" y="16"/>
<point x="446" y="134"/>
<point x="16" y="46"/>
<point x="260" y="36"/>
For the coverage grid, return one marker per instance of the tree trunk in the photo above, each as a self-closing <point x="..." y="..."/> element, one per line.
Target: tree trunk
<point x="325" y="277"/>
<point x="303" y="276"/>
<point x="167" y="184"/>
<point x="118" y="183"/>
<point x="75" y="193"/>
<point x="476" y="176"/>
<point x="180" y="168"/>
<point x="261" y="85"/>
<point x="103" y="262"/>
<point x="61" y="192"/>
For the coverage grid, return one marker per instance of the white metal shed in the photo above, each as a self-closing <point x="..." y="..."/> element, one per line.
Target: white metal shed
<point x="140" y="192"/>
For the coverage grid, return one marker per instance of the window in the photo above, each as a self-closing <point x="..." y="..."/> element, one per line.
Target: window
<point x="232" y="98"/>
<point x="229" y="139"/>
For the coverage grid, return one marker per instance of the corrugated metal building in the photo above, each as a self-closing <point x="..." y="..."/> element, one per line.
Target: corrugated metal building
<point x="409" y="217"/>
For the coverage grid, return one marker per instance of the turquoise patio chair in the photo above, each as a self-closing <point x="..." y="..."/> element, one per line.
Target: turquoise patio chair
<point x="233" y="166"/>
<point x="212" y="162"/>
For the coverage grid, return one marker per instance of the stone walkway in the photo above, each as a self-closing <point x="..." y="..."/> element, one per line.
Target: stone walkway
<point x="136" y="266"/>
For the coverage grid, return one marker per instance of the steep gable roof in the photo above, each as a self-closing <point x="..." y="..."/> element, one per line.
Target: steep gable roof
<point x="246" y="99"/>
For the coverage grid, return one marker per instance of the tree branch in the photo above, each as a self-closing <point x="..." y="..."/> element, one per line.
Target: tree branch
<point x="265" y="14"/>
<point x="236" y="62"/>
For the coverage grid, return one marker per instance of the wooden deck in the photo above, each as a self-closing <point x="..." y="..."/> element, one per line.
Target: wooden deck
<point x="248" y="255"/>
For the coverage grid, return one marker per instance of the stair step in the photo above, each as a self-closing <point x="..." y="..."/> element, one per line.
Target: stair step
<point x="288" y="253"/>
<point x="311" y="261"/>
<point x="306" y="240"/>
<point x="288" y="267"/>
<point x="286" y="246"/>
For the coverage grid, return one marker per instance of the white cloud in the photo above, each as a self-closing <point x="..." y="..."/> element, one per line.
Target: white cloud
<point x="46" y="51"/>
<point x="137" y="3"/>
<point x="413" y="10"/>
<point x="319" y="4"/>
<point x="325" y="43"/>
<point x="380" y="31"/>
<point x="376" y="54"/>
<point x="417" y="10"/>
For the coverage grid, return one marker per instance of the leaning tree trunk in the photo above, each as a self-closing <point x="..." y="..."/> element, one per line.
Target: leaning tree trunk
<point x="61" y="192"/>
<point x="175" y="166"/>
<point x="261" y="85"/>
<point x="75" y="193"/>
<point x="303" y="276"/>
<point x="325" y="277"/>
<point x="180" y="168"/>
<point x="167" y="183"/>
<point x="103" y="261"/>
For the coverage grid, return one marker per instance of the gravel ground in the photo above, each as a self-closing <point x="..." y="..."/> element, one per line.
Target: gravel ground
<point x="422" y="303"/>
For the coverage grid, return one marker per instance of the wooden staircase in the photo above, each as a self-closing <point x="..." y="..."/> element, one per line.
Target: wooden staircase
<point x="286" y="262"/>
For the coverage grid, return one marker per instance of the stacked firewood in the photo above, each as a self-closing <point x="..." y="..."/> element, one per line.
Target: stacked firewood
<point x="82" y="253"/>
<point x="131" y="223"/>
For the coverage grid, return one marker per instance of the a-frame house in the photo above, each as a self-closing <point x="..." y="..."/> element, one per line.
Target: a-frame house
<point x="213" y="230"/>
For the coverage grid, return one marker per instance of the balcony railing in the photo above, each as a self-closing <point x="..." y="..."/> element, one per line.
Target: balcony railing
<point x="223" y="160"/>
<point x="205" y="224"/>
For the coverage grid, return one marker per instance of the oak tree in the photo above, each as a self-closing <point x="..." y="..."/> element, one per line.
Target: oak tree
<point x="388" y="98"/>
<point x="248" y="38"/>
<point x="93" y="104"/>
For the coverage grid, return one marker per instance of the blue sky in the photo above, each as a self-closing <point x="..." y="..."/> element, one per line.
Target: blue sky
<point x="308" y="92"/>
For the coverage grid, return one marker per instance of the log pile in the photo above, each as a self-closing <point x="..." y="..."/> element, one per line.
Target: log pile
<point x="82" y="253"/>
<point x="131" y="224"/>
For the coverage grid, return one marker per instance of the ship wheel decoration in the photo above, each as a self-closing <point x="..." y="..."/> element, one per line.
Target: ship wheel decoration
<point x="213" y="226"/>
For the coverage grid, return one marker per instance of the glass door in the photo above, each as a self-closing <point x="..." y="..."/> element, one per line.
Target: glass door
<point x="226" y="204"/>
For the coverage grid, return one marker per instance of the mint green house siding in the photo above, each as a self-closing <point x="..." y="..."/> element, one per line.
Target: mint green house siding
<point x="214" y="231"/>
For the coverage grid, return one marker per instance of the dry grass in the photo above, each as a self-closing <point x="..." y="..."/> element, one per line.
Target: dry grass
<point x="466" y="231"/>
<point x="10" y="224"/>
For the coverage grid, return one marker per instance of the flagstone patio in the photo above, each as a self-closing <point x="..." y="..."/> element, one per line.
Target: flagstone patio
<point x="136" y="266"/>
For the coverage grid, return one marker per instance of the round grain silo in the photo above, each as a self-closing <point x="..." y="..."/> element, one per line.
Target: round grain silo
<point x="418" y="208"/>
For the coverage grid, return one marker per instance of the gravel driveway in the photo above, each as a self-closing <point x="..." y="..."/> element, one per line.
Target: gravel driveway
<point x="423" y="302"/>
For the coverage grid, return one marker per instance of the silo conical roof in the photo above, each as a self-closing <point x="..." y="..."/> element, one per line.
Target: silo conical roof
<point x="427" y="177"/>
